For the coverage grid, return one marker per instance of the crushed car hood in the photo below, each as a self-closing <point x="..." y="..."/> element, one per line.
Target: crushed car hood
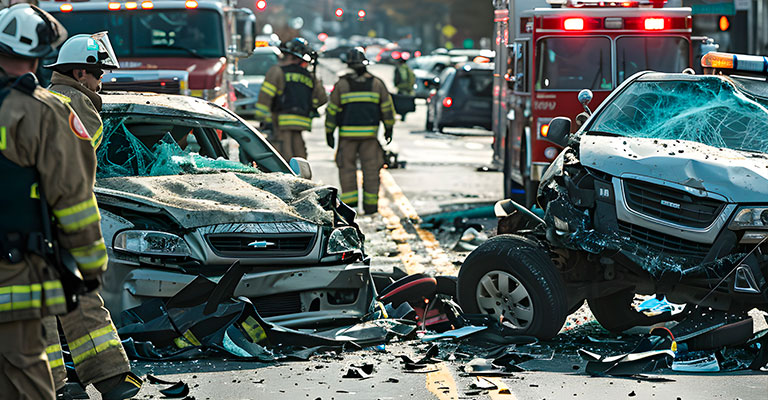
<point x="740" y="177"/>
<point x="220" y="198"/>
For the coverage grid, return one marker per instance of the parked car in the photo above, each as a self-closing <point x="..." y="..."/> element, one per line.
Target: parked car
<point x="463" y="99"/>
<point x="254" y="69"/>
<point x="427" y="69"/>
<point x="176" y="203"/>
<point x="663" y="190"/>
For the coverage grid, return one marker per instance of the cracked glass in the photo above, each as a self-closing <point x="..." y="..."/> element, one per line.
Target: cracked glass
<point x="708" y="110"/>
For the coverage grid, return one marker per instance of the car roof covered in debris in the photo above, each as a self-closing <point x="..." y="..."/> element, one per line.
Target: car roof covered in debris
<point x="168" y="104"/>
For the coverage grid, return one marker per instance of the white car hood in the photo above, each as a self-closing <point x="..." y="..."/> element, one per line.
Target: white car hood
<point x="740" y="177"/>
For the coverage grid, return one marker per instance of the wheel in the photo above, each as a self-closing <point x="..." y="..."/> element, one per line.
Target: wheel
<point x="512" y="278"/>
<point x="616" y="314"/>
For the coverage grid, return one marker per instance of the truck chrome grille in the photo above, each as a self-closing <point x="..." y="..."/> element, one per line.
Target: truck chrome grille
<point x="261" y="245"/>
<point x="664" y="243"/>
<point x="671" y="205"/>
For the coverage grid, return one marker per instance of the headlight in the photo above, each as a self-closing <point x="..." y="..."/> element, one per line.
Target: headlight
<point x="750" y="218"/>
<point x="151" y="243"/>
<point x="343" y="240"/>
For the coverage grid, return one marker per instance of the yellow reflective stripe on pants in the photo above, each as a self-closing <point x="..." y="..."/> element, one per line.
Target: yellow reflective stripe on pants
<point x="268" y="88"/>
<point x="55" y="358"/>
<point x="91" y="257"/>
<point x="78" y="216"/>
<point x="93" y="343"/>
<point x="349" y="197"/>
<point x="370" y="198"/>
<point x="358" y="131"/>
<point x="20" y="297"/>
<point x="54" y="293"/>
<point x="254" y="330"/>
<point x="332" y="109"/>
<point x="294" y="120"/>
<point x="362" y="97"/>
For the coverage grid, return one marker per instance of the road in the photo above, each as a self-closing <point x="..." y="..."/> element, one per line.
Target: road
<point x="440" y="174"/>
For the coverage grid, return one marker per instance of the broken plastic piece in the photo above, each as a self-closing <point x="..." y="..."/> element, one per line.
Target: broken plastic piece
<point x="364" y="371"/>
<point x="707" y="363"/>
<point x="455" y="334"/>
<point x="177" y="391"/>
<point x="626" y="364"/>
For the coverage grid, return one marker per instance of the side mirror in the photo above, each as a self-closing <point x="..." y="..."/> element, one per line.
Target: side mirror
<point x="585" y="97"/>
<point x="301" y="167"/>
<point x="244" y="39"/>
<point x="559" y="130"/>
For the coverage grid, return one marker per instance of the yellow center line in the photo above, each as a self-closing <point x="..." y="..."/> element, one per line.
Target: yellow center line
<point x="400" y="237"/>
<point x="441" y="383"/>
<point x="502" y="390"/>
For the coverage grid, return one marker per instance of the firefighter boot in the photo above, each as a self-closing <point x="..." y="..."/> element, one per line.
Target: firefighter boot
<point x="120" y="387"/>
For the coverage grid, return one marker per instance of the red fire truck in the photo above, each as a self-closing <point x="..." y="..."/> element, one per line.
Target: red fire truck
<point x="168" y="46"/>
<point x="553" y="53"/>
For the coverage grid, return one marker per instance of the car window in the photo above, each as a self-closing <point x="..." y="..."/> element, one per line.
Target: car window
<point x="709" y="110"/>
<point x="574" y="63"/>
<point x="476" y="83"/>
<point x="642" y="53"/>
<point x="257" y="64"/>
<point x="446" y="80"/>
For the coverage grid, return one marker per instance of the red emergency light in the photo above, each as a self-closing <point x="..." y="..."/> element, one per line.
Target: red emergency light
<point x="322" y="36"/>
<point x="396" y="55"/>
<point x="361" y="14"/>
<point x="261" y="5"/>
<point x="131" y="5"/>
<point x="113" y="6"/>
<point x="147" y="5"/>
<point x="190" y="4"/>
<point x="654" y="24"/>
<point x="65" y="8"/>
<point x="339" y="12"/>
<point x="573" y="24"/>
<point x="417" y="53"/>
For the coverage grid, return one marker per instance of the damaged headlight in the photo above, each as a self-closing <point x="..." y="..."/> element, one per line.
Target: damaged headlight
<point x="343" y="240"/>
<point x="151" y="243"/>
<point x="750" y="218"/>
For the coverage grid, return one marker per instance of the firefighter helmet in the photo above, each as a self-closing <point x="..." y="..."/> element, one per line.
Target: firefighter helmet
<point x="356" y="57"/>
<point x="298" y="47"/>
<point x="82" y="51"/>
<point x="26" y="31"/>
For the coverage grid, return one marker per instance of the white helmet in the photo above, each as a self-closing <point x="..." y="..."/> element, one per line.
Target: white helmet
<point x="26" y="31"/>
<point x="83" y="50"/>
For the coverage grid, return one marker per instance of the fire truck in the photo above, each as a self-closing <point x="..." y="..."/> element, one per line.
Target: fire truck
<point x="169" y="46"/>
<point x="547" y="55"/>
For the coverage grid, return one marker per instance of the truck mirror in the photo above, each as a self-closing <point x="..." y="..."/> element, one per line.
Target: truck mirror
<point x="585" y="96"/>
<point x="559" y="130"/>
<point x="244" y="40"/>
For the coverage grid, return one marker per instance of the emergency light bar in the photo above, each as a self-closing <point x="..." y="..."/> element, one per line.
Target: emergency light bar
<point x="737" y="62"/>
<point x="603" y="3"/>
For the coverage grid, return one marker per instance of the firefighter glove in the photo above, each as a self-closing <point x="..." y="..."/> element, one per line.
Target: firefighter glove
<point x="329" y="139"/>
<point x="388" y="134"/>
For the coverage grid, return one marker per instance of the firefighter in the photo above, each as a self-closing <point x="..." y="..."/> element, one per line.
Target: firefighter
<point x="46" y="160"/>
<point x="404" y="78"/>
<point x="358" y="103"/>
<point x="288" y="98"/>
<point x="76" y="79"/>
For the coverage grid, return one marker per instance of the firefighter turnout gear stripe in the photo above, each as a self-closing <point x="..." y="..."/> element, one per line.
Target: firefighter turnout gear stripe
<point x="370" y="198"/>
<point x="359" y="97"/>
<point x="349" y="198"/>
<point x="78" y="216"/>
<point x="358" y="131"/>
<point x="24" y="297"/>
<point x="269" y="89"/>
<point x="92" y="257"/>
<point x="93" y="343"/>
<point x="262" y="113"/>
<point x="55" y="358"/>
<point x="298" y="121"/>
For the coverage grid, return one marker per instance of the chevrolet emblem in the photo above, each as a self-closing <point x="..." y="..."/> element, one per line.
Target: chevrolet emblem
<point x="260" y="244"/>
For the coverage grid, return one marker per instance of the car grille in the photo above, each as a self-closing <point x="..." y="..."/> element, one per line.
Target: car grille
<point x="279" y="304"/>
<point x="649" y="199"/>
<point x="277" y="245"/>
<point x="665" y="243"/>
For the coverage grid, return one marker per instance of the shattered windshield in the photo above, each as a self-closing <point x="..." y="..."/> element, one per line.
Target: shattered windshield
<point x="709" y="110"/>
<point x="176" y="152"/>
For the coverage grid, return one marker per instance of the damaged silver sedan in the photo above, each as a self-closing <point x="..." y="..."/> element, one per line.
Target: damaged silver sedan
<point x="663" y="190"/>
<point x="177" y="201"/>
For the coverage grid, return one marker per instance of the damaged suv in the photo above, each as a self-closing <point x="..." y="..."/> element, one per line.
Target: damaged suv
<point x="177" y="202"/>
<point x="663" y="190"/>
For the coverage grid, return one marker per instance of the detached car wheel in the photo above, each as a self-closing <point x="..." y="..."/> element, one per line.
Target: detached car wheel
<point x="616" y="313"/>
<point x="513" y="279"/>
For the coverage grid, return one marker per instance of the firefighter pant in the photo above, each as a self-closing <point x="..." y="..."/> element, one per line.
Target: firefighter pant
<point x="371" y="156"/>
<point x="93" y="342"/>
<point x="289" y="143"/>
<point x="24" y="372"/>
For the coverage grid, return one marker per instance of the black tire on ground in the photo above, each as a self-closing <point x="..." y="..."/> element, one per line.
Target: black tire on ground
<point x="520" y="262"/>
<point x="616" y="314"/>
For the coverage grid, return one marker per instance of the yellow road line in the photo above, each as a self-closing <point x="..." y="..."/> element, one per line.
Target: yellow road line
<point x="440" y="260"/>
<point x="441" y="383"/>
<point x="400" y="236"/>
<point x="502" y="390"/>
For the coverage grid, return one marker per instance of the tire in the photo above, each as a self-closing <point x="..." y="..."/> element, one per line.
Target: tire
<point x="616" y="314"/>
<point x="540" y="308"/>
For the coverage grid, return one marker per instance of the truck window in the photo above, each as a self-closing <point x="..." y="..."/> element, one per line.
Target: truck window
<point x="521" y="67"/>
<point x="573" y="63"/>
<point x="641" y="53"/>
<point x="157" y="33"/>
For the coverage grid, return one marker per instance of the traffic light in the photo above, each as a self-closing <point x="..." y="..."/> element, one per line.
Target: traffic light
<point x="724" y="24"/>
<point x="261" y="5"/>
<point x="339" y="12"/>
<point x="361" y="15"/>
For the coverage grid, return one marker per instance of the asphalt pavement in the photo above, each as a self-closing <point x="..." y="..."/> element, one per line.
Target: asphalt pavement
<point x="440" y="173"/>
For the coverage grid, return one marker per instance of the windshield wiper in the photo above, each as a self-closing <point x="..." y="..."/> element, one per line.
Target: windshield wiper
<point x="601" y="133"/>
<point x="193" y="52"/>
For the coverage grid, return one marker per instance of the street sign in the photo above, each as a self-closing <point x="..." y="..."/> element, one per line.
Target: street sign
<point x="449" y="31"/>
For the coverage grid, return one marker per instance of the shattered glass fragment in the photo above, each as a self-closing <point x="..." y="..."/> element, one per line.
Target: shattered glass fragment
<point x="343" y="240"/>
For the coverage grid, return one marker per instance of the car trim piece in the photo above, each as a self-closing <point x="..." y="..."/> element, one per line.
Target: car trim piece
<point x="699" y="235"/>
